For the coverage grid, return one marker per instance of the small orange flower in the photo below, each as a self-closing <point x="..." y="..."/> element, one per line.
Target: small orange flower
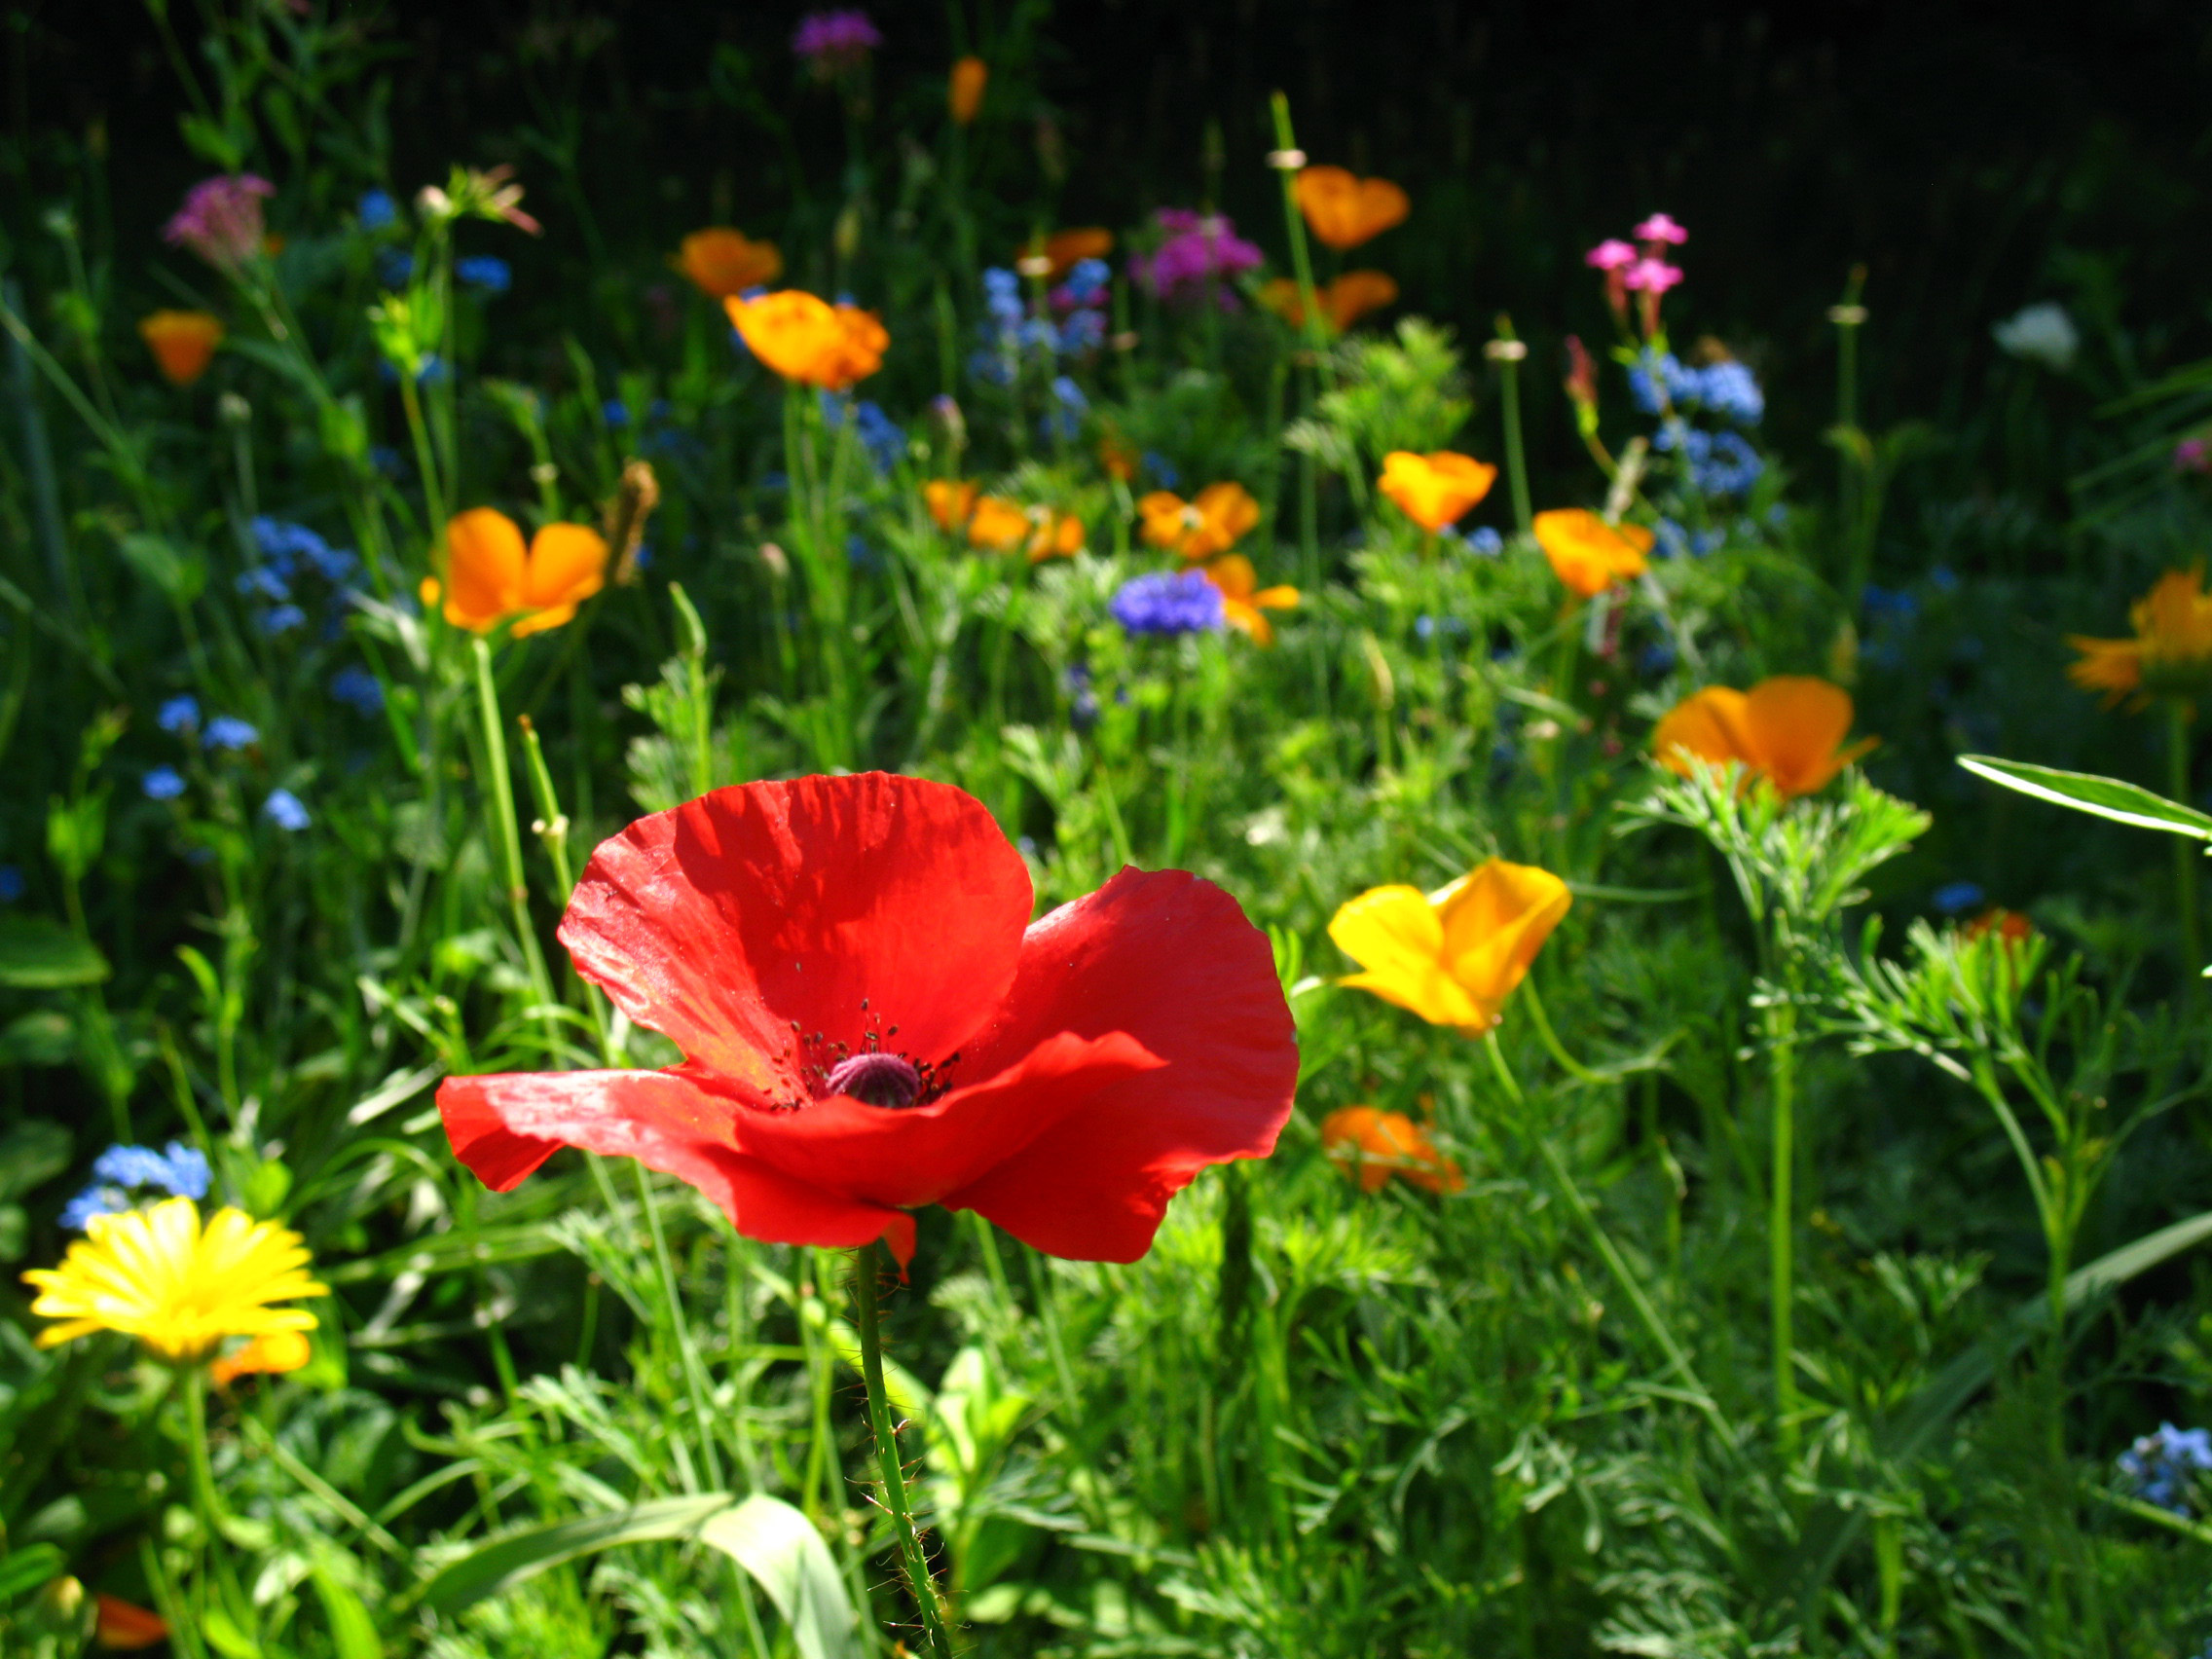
<point x="183" y="342"/>
<point x="964" y="88"/>
<point x="1435" y="490"/>
<point x="1345" y="210"/>
<point x="1062" y="248"/>
<point x="1000" y="526"/>
<point x="2170" y="654"/>
<point x="1588" y="554"/>
<point x="1117" y="459"/>
<point x="1788" y="729"/>
<point x="1244" y="601"/>
<point x="490" y="577"/>
<point x="1372" y="1146"/>
<point x="1200" y="528"/>
<point x="723" y="262"/>
<point x="125" y="1627"/>
<point x="804" y="338"/>
<point x="276" y="1353"/>
<point x="1343" y="302"/>
<point x="950" y="501"/>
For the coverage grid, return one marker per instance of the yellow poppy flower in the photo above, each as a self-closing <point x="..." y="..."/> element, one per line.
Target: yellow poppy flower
<point x="183" y="342"/>
<point x="1345" y="210"/>
<point x="155" y="1274"/>
<point x="1243" y="602"/>
<point x="804" y="338"/>
<point x="275" y="1352"/>
<point x="1343" y="302"/>
<point x="1455" y="955"/>
<point x="723" y="262"/>
<point x="964" y="88"/>
<point x="1435" y="490"/>
<point x="950" y="501"/>
<point x="1586" y="553"/>
<point x="1788" y="729"/>
<point x="1200" y="528"/>
<point x="1372" y="1146"/>
<point x="2170" y="654"/>
<point x="490" y="577"/>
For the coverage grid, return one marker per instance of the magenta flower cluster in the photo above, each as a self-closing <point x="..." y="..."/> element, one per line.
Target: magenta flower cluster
<point x="1632" y="268"/>
<point x="1202" y="250"/>
<point x="221" y="220"/>
<point x="832" y="40"/>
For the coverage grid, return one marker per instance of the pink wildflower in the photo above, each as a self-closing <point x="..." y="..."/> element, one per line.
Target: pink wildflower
<point x="2192" y="455"/>
<point x="1652" y="276"/>
<point x="832" y="41"/>
<point x="221" y="220"/>
<point x="1200" y="250"/>
<point x="1660" y="228"/>
<point x="1611" y="254"/>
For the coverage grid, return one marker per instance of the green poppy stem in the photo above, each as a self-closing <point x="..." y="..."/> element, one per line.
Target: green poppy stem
<point x="501" y="787"/>
<point x="1507" y="352"/>
<point x="868" y="1316"/>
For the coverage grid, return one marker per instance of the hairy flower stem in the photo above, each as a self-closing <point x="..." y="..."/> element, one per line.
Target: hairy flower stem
<point x="1781" y="1035"/>
<point x="500" y="785"/>
<point x="867" y="1315"/>
<point x="206" y="1503"/>
<point x="2185" y="853"/>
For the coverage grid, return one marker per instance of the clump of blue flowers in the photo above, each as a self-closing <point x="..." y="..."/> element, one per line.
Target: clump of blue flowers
<point x="882" y="437"/>
<point x="126" y="1176"/>
<point x="1010" y="331"/>
<point x="1169" y="603"/>
<point x="2163" y="1466"/>
<point x="494" y="275"/>
<point x="290" y="554"/>
<point x="1717" y="462"/>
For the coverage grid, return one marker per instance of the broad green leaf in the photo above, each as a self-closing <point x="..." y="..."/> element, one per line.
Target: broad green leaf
<point x="225" y="1637"/>
<point x="353" y="1633"/>
<point x="181" y="574"/>
<point x="38" y="954"/>
<point x="31" y="1154"/>
<point x="2085" y="791"/>
<point x="508" y="1560"/>
<point x="779" y="1546"/>
<point x="25" y="1570"/>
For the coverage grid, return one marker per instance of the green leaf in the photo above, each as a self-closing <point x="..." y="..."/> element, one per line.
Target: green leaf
<point x="2085" y="791"/>
<point x="353" y="1633"/>
<point x="508" y="1560"/>
<point x="779" y="1546"/>
<point x="37" y="954"/>
<point x="180" y="576"/>
<point x="26" y="1569"/>
<point x="225" y="1637"/>
<point x="31" y="1154"/>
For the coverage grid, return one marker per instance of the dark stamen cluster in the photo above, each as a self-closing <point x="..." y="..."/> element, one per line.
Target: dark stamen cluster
<point x="813" y="1060"/>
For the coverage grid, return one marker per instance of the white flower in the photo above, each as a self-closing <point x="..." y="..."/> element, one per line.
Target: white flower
<point x="2041" y="333"/>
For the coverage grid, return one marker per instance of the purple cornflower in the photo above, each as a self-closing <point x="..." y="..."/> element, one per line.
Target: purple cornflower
<point x="221" y="220"/>
<point x="1169" y="603"/>
<point x="830" y="43"/>
<point x="1201" y="250"/>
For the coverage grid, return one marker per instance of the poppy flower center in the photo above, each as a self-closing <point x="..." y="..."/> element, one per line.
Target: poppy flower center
<point x="877" y="1077"/>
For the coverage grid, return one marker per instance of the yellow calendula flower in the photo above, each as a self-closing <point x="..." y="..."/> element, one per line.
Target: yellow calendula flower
<point x="2170" y="654"/>
<point x="180" y="1289"/>
<point x="1455" y="955"/>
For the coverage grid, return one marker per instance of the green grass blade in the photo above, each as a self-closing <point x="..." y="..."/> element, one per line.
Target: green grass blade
<point x="2085" y="791"/>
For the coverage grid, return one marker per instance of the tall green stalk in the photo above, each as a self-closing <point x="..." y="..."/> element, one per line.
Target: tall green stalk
<point x="869" y="1275"/>
<point x="1781" y="1221"/>
<point x="1508" y="352"/>
<point x="2177" y="715"/>
<point x="500" y="785"/>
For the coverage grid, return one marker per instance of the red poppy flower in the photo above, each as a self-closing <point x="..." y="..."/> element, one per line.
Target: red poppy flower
<point x="872" y="1023"/>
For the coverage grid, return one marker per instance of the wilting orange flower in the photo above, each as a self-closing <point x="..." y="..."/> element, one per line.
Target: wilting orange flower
<point x="804" y="338"/>
<point x="1345" y="210"/>
<point x="275" y="1352"/>
<point x="1588" y="554"/>
<point x="1119" y="456"/>
<point x="1343" y="302"/>
<point x="723" y="262"/>
<point x="2170" y="654"/>
<point x="1200" y="528"/>
<point x="1244" y="601"/>
<point x="183" y="342"/>
<point x="1435" y="490"/>
<point x="1373" y="1146"/>
<point x="2010" y="925"/>
<point x="1062" y="248"/>
<point x="1455" y="955"/>
<point x="964" y="88"/>
<point x="950" y="501"/>
<point x="490" y="577"/>
<point x="124" y="1626"/>
<point x="1788" y="729"/>
<point x="1000" y="526"/>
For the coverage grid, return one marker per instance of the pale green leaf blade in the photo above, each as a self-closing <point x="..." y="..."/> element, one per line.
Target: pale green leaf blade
<point x="506" y="1561"/>
<point x="2085" y="791"/>
<point x="779" y="1546"/>
<point x="352" y="1631"/>
<point x="38" y="954"/>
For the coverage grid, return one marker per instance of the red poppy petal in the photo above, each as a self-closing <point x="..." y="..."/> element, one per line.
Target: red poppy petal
<point x="1170" y="960"/>
<point x="721" y="922"/>
<point x="915" y="1155"/>
<point x="505" y="1126"/>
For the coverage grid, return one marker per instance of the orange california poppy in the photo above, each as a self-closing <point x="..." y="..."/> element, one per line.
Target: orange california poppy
<point x="1000" y="526"/>
<point x="1343" y="302"/>
<point x="2170" y="654"/>
<point x="2010" y="925"/>
<point x="723" y="262"/>
<point x="1455" y="955"/>
<point x="964" y="88"/>
<point x="1062" y="248"/>
<point x="1244" y="601"/>
<point x="1200" y="528"/>
<point x="124" y="1626"/>
<point x="273" y="1353"/>
<point x="805" y="338"/>
<point x="1435" y="490"/>
<point x="950" y="501"/>
<point x="1372" y="1146"/>
<point x="490" y="577"/>
<point x="1345" y="210"/>
<point x="1118" y="457"/>
<point x="1788" y="729"/>
<point x="1588" y="554"/>
<point x="183" y="342"/>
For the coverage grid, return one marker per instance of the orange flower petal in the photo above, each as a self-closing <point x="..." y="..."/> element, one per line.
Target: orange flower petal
<point x="723" y="262"/>
<point x="485" y="562"/>
<point x="1587" y="553"/>
<point x="1345" y="210"/>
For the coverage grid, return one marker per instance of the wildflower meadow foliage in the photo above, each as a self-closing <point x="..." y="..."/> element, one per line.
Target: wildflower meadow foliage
<point x="908" y="929"/>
